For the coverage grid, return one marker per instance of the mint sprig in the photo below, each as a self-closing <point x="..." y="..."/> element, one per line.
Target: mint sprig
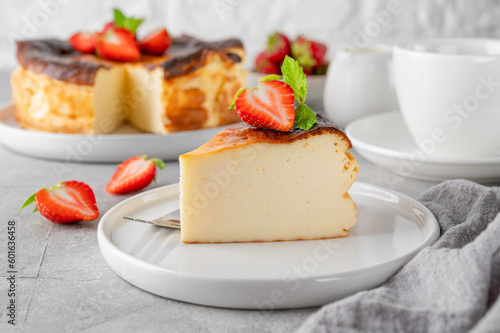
<point x="294" y="76"/>
<point x="129" y="23"/>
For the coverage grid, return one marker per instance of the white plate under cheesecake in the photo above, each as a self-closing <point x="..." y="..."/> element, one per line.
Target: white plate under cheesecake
<point x="98" y="148"/>
<point x="392" y="228"/>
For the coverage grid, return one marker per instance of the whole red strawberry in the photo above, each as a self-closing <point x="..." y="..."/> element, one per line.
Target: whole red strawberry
<point x="84" y="42"/>
<point x="118" y="44"/>
<point x="278" y="46"/>
<point x="134" y="174"/>
<point x="109" y="25"/>
<point x="265" y="66"/>
<point x="270" y="105"/>
<point x="65" y="202"/>
<point x="310" y="54"/>
<point x="156" y="42"/>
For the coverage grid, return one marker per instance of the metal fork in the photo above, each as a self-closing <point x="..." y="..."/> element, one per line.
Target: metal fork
<point x="170" y="220"/>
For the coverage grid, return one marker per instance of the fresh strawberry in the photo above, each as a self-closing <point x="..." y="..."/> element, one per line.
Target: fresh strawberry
<point x="156" y="42"/>
<point x="84" y="42"/>
<point x="65" y="202"/>
<point x="321" y="69"/>
<point x="133" y="174"/>
<point x="309" y="53"/>
<point x="270" y="105"/>
<point x="265" y="66"/>
<point x="119" y="45"/>
<point x="278" y="46"/>
<point x="109" y="25"/>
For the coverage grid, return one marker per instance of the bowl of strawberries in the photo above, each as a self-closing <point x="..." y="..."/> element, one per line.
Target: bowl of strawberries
<point x="310" y="54"/>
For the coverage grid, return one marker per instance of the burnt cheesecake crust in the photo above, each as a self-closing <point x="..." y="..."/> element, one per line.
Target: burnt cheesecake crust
<point x="58" y="60"/>
<point x="244" y="134"/>
<point x="58" y="89"/>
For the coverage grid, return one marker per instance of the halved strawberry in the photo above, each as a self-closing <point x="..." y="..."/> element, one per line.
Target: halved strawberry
<point x="278" y="46"/>
<point x="265" y="66"/>
<point x="119" y="45"/>
<point x="310" y="54"/>
<point x="65" y="202"/>
<point x="270" y="105"/>
<point x="134" y="174"/>
<point x="84" y="42"/>
<point x="156" y="42"/>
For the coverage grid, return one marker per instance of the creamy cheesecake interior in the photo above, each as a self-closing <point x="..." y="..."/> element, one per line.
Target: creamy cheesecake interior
<point x="248" y="190"/>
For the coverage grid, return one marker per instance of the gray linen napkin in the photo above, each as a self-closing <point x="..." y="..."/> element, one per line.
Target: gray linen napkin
<point x="451" y="286"/>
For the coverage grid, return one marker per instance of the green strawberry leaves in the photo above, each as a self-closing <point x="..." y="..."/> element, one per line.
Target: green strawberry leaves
<point x="129" y="23"/>
<point x="29" y="201"/>
<point x="233" y="104"/>
<point x="272" y="77"/>
<point x="158" y="162"/>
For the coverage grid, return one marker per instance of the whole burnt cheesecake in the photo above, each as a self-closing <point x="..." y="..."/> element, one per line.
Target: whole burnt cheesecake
<point x="58" y="89"/>
<point x="255" y="185"/>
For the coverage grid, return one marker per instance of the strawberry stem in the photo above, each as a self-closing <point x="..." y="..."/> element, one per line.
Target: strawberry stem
<point x="158" y="162"/>
<point x="29" y="201"/>
<point x="272" y="77"/>
<point x="233" y="105"/>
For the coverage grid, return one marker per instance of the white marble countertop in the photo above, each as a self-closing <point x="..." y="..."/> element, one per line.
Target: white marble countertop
<point x="64" y="284"/>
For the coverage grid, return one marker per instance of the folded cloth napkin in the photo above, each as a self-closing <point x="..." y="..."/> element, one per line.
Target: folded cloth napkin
<point x="451" y="286"/>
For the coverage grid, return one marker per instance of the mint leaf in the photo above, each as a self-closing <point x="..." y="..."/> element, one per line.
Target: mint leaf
<point x="294" y="76"/>
<point x="270" y="78"/>
<point x="233" y="105"/>
<point x="119" y="17"/>
<point x="129" y="23"/>
<point x="29" y="201"/>
<point x="305" y="118"/>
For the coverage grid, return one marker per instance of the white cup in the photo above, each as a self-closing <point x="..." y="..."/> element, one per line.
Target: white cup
<point x="449" y="94"/>
<point x="359" y="82"/>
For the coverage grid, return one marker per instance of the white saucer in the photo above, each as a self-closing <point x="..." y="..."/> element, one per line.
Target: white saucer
<point x="125" y="142"/>
<point x="385" y="140"/>
<point x="391" y="229"/>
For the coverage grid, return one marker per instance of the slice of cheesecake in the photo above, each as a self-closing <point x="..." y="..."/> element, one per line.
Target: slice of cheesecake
<point x="255" y="185"/>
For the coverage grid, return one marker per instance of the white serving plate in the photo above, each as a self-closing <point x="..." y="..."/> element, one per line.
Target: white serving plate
<point x="392" y="228"/>
<point x="125" y="142"/>
<point x="385" y="140"/>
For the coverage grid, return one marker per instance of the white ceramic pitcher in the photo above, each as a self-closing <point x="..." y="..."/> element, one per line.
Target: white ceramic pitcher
<point x="359" y="82"/>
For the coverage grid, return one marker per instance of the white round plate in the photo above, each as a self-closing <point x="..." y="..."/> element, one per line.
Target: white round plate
<point x="385" y="140"/>
<point x="391" y="229"/>
<point x="116" y="147"/>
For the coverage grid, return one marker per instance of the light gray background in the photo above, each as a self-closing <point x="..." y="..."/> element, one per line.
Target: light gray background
<point x="330" y="21"/>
